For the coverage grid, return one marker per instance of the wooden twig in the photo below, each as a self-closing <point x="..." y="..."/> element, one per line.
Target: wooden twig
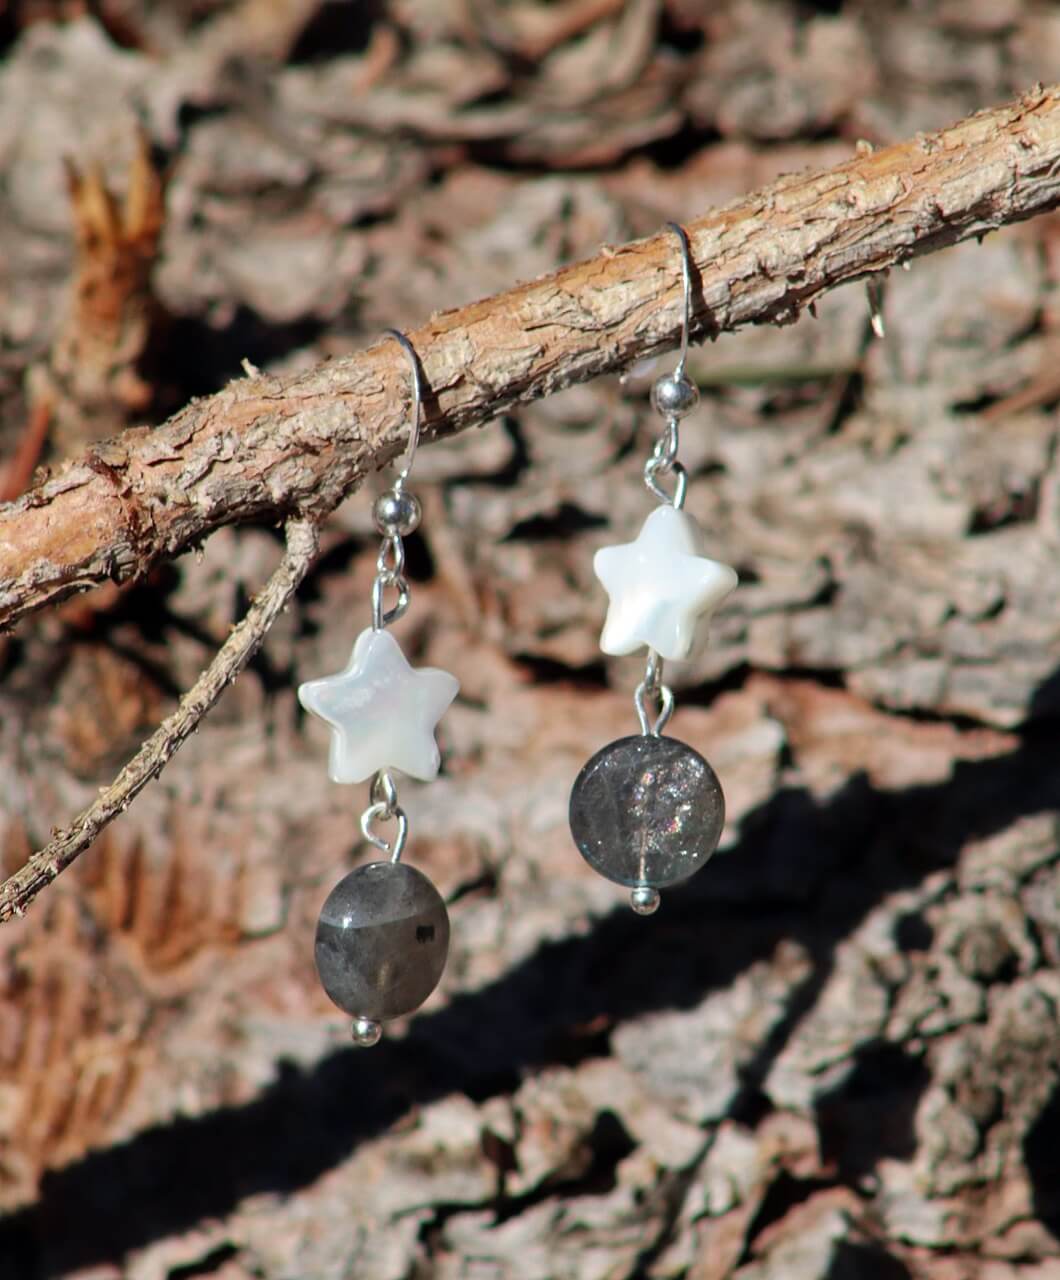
<point x="268" y="446"/>
<point x="65" y="846"/>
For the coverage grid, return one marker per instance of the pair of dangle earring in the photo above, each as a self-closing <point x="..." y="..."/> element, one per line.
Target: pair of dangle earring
<point x="648" y="811"/>
<point x="383" y="933"/>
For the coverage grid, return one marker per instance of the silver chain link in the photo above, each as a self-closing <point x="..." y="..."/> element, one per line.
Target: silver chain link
<point x="663" y="461"/>
<point x="389" y="573"/>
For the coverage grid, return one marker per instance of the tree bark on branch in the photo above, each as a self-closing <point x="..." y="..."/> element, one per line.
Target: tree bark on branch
<point x="269" y="447"/>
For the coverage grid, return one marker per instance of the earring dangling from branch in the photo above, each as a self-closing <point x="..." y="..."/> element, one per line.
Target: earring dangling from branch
<point x="383" y="933"/>
<point x="648" y="811"/>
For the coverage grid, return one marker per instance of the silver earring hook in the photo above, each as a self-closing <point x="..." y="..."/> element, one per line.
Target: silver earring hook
<point x="686" y="277"/>
<point x="417" y="399"/>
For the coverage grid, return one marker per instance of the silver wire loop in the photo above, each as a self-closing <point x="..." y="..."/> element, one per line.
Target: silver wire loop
<point x="653" y="671"/>
<point x="652" y="470"/>
<point x="664" y="695"/>
<point x="652" y="687"/>
<point x="384" y="807"/>
<point x="390" y="572"/>
<point x="664" y="454"/>
<point x="381" y="617"/>
<point x="380" y="810"/>
<point x="384" y="791"/>
<point x="417" y="405"/>
<point x="391" y="558"/>
<point x="686" y="280"/>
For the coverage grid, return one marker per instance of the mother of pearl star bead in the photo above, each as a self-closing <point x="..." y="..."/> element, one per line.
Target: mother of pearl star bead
<point x="382" y="712"/>
<point x="661" y="586"/>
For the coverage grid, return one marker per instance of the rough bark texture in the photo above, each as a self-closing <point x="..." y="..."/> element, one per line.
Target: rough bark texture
<point x="270" y="446"/>
<point x="833" y="1055"/>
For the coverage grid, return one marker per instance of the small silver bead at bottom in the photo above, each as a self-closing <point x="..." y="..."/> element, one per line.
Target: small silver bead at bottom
<point x="366" y="1032"/>
<point x="645" y="900"/>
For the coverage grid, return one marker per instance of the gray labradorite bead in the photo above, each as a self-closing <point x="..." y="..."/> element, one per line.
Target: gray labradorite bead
<point x="647" y="811"/>
<point x="382" y="939"/>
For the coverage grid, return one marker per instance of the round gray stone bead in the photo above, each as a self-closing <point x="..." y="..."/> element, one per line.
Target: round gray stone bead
<point x="674" y="396"/>
<point x="382" y="940"/>
<point x="396" y="513"/>
<point x="647" y="811"/>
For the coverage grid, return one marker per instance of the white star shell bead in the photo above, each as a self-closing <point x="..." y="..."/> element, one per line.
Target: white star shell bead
<point x="661" y="586"/>
<point x="382" y="712"/>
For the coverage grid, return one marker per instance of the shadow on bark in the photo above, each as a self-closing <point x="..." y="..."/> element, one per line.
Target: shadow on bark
<point x="802" y="870"/>
<point x="1041" y="1155"/>
<point x="872" y="1114"/>
<point x="864" y="1262"/>
<point x="201" y="358"/>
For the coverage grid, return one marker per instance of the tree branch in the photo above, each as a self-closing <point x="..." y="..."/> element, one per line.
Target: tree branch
<point x="243" y="642"/>
<point x="294" y="447"/>
<point x="267" y="447"/>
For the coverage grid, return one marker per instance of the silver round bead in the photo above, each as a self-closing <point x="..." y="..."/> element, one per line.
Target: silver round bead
<point x="366" y="1032"/>
<point x="396" y="513"/>
<point x="673" y="396"/>
<point x="645" y="900"/>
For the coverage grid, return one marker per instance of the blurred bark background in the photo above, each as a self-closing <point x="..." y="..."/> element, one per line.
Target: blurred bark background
<point x="835" y="1053"/>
